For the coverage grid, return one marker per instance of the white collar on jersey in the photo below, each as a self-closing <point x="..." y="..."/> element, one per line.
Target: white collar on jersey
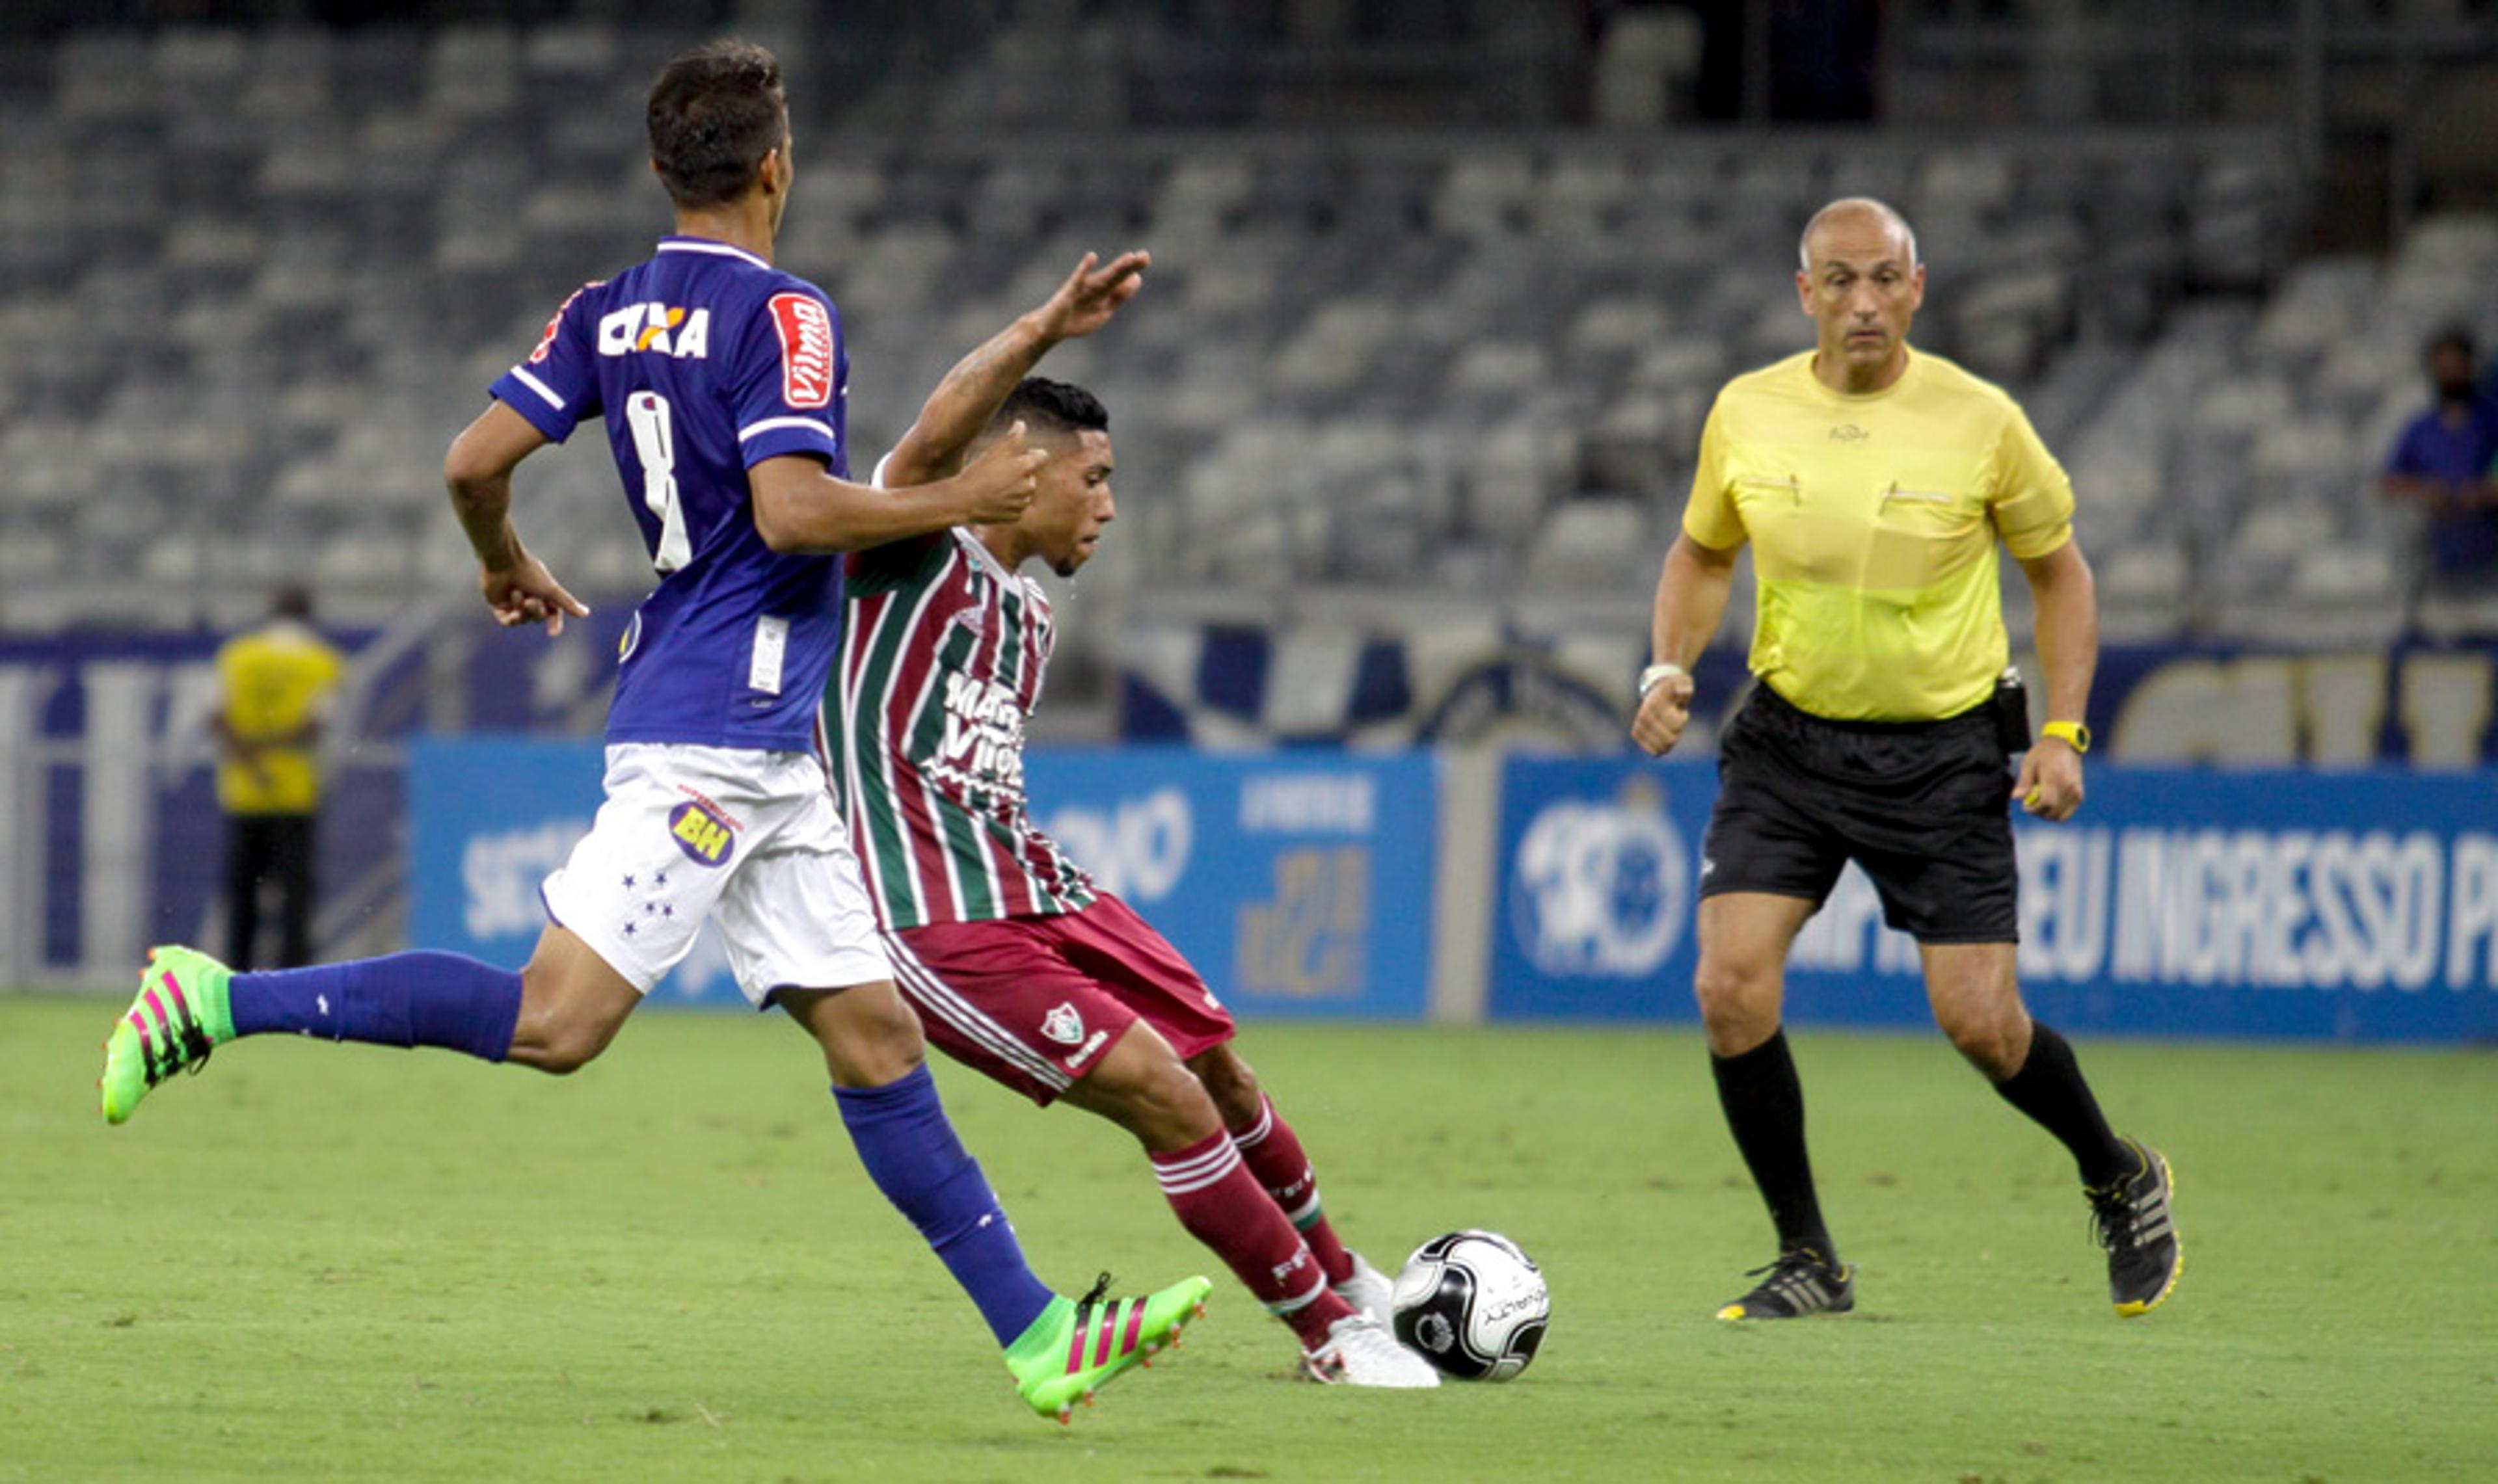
<point x="980" y="552"/>
<point x="705" y="244"/>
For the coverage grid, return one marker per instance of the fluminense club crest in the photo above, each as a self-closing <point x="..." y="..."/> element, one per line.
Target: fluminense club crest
<point x="1064" y="1025"/>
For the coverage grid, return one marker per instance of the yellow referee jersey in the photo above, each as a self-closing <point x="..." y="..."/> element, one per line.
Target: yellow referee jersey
<point x="275" y="680"/>
<point x="1872" y="521"/>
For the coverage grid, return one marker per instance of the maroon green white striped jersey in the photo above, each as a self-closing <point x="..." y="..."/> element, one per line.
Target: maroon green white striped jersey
<point x="941" y="656"/>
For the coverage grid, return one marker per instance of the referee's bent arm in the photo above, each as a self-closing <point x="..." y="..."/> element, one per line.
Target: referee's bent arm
<point x="2066" y="600"/>
<point x="1690" y="600"/>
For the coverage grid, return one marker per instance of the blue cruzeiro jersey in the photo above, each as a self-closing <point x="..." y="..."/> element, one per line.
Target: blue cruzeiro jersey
<point x="706" y="361"/>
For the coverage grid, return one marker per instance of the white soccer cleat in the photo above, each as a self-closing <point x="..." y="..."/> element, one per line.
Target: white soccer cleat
<point x="1368" y="1290"/>
<point x="1360" y="1352"/>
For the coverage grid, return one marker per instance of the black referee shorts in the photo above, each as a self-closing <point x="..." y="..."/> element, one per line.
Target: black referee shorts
<point x="1924" y="807"/>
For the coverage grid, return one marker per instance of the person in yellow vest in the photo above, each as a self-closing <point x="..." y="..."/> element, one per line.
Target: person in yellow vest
<point x="1873" y="483"/>
<point x="274" y="682"/>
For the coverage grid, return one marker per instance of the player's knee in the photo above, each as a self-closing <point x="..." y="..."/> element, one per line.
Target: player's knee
<point x="870" y="1036"/>
<point x="553" y="1043"/>
<point x="1171" y="1109"/>
<point x="1994" y="1044"/>
<point x="1233" y="1086"/>
<point x="1731" y="992"/>
<point x="1144" y="1089"/>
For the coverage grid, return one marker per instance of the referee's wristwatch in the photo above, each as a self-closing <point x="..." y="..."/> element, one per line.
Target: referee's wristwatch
<point x="2073" y="734"/>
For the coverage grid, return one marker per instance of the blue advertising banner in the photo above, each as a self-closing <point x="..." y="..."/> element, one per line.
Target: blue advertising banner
<point x="1300" y="884"/>
<point x="2347" y="906"/>
<point x="489" y="817"/>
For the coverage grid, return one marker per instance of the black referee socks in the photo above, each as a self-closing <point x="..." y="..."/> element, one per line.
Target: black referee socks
<point x="1763" y="1103"/>
<point x="2049" y="1088"/>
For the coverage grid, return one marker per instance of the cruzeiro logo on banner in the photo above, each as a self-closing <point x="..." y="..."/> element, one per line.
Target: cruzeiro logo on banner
<point x="1602" y="889"/>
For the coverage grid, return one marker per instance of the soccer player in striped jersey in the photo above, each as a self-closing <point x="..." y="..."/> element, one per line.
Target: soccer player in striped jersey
<point x="1020" y="966"/>
<point x="721" y="383"/>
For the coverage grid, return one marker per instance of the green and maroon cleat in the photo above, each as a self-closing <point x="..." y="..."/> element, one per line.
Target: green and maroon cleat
<point x="1080" y="1345"/>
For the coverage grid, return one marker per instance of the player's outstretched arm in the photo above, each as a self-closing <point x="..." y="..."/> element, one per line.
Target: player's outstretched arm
<point x="478" y="472"/>
<point x="800" y="507"/>
<point x="979" y="383"/>
<point x="1691" y="594"/>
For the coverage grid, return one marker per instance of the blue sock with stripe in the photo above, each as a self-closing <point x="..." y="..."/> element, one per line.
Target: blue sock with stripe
<point x="909" y="1150"/>
<point x="403" y="999"/>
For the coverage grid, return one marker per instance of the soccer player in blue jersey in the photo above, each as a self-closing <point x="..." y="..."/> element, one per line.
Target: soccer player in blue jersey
<point x="721" y="381"/>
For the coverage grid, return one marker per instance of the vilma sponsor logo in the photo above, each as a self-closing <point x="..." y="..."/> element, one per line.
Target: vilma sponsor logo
<point x="806" y="350"/>
<point x="555" y="321"/>
<point x="706" y="838"/>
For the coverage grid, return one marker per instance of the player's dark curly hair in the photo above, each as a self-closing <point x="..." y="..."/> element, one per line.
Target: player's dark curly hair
<point x="715" y="112"/>
<point x="1046" y="405"/>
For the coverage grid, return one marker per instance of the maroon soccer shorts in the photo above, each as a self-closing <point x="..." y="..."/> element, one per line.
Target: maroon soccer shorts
<point x="1034" y="1002"/>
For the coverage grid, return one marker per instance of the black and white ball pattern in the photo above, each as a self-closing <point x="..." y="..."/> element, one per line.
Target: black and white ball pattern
<point x="1472" y="1304"/>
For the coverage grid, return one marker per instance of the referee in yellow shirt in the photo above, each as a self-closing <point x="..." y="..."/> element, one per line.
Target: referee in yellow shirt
<point x="1873" y="483"/>
<point x="275" y="682"/>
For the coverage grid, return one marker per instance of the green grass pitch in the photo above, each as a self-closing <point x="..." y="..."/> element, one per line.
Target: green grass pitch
<point x="319" y="1262"/>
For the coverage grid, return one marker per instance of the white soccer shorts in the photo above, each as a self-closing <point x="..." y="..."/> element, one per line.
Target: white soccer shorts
<point x="753" y="837"/>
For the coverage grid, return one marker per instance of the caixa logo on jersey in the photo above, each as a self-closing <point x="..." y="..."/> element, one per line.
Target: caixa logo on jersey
<point x="707" y="836"/>
<point x="1601" y="890"/>
<point x="659" y="329"/>
<point x="806" y="350"/>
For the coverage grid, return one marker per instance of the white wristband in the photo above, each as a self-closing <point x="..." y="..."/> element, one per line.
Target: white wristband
<point x="1657" y="674"/>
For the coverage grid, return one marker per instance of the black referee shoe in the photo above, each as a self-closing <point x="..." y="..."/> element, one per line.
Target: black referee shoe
<point x="1801" y="1282"/>
<point x="2130" y="1219"/>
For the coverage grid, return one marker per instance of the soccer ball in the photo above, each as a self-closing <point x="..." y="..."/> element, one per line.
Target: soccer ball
<point x="1472" y="1304"/>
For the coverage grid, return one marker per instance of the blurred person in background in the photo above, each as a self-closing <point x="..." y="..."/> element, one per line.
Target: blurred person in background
<point x="2442" y="464"/>
<point x="1873" y="483"/>
<point x="274" y="683"/>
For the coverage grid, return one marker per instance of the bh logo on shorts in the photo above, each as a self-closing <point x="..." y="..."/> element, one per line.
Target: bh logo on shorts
<point x="1602" y="889"/>
<point x="706" y="838"/>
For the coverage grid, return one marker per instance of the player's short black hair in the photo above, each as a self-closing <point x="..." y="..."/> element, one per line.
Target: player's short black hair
<point x="1046" y="405"/>
<point x="715" y="112"/>
<point x="2457" y="338"/>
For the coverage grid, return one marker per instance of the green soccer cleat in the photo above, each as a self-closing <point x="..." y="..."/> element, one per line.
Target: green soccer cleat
<point x="181" y="1014"/>
<point x="1080" y="1345"/>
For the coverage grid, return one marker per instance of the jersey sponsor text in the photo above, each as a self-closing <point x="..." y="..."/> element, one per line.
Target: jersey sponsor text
<point x="657" y="328"/>
<point x="806" y="350"/>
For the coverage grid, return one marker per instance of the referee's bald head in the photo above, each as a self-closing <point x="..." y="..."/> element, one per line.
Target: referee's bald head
<point x="1856" y="206"/>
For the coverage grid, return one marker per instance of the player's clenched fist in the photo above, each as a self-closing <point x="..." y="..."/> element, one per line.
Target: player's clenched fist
<point x="1002" y="480"/>
<point x="1663" y="712"/>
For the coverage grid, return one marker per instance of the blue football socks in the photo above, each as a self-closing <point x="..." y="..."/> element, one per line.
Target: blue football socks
<point x="403" y="999"/>
<point x="909" y="1150"/>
